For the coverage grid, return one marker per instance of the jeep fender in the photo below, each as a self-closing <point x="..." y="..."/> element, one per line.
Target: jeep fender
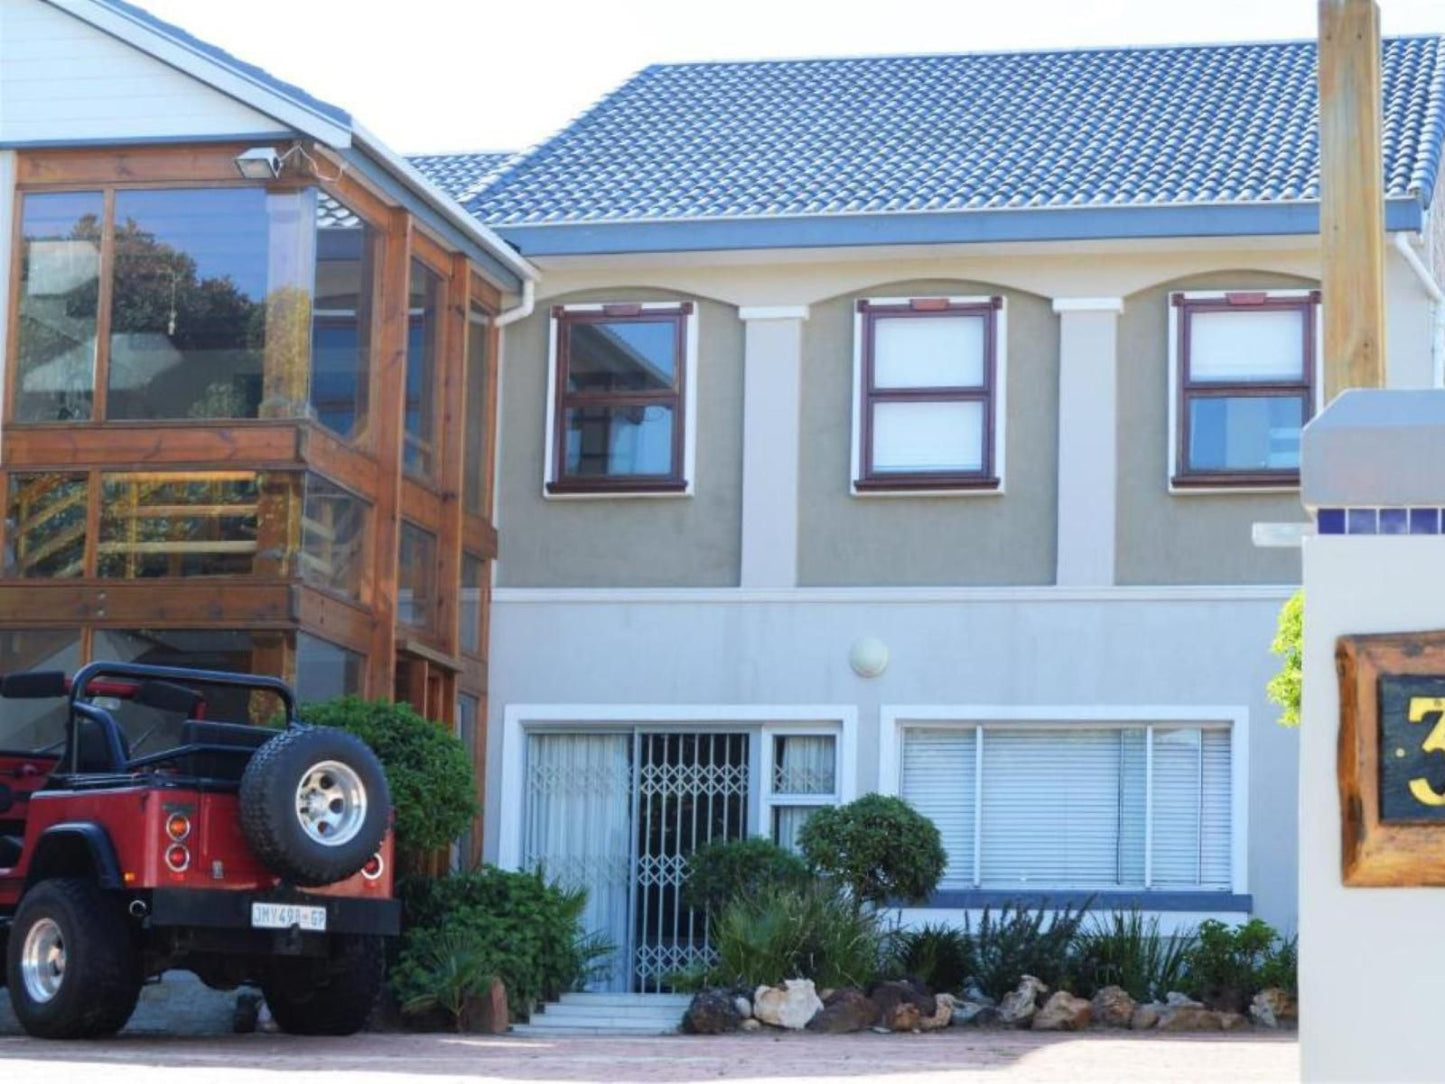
<point x="75" y="849"/>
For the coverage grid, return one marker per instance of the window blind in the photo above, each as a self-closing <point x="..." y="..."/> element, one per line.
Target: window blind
<point x="938" y="780"/>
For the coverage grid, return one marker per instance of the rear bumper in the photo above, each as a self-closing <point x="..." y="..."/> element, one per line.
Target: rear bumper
<point x="220" y="909"/>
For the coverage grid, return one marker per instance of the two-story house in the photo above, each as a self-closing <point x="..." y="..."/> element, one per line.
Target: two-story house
<point x="902" y="424"/>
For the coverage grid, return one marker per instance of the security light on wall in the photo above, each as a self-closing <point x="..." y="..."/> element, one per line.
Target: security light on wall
<point x="259" y="164"/>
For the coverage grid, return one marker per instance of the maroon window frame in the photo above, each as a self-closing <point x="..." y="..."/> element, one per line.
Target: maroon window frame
<point x="674" y="397"/>
<point x="871" y="395"/>
<point x="1189" y="389"/>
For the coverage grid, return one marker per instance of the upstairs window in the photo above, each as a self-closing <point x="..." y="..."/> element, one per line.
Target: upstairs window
<point x="928" y="403"/>
<point x="423" y="349"/>
<point x="1244" y="370"/>
<point x="621" y="392"/>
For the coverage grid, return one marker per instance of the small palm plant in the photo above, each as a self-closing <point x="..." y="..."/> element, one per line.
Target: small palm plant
<point x="455" y="969"/>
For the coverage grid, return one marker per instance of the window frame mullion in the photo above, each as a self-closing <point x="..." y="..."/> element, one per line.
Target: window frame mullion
<point x="978" y="806"/>
<point x="1148" y="807"/>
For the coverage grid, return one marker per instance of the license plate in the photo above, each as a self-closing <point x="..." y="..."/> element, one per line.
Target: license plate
<point x="282" y="916"/>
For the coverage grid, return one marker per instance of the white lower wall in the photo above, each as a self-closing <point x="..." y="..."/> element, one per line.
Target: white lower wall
<point x="1180" y="647"/>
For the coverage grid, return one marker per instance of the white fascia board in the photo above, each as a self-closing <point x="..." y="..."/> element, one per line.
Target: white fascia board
<point x="207" y="69"/>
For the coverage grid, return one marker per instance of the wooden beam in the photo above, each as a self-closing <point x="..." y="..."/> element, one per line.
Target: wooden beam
<point x="1352" y="210"/>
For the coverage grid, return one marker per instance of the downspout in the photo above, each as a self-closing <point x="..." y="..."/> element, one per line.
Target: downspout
<point x="523" y="309"/>
<point x="1437" y="306"/>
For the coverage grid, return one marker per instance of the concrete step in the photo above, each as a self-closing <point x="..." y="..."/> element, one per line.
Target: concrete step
<point x="537" y="1031"/>
<point x="608" y="1014"/>
<point x="681" y="1001"/>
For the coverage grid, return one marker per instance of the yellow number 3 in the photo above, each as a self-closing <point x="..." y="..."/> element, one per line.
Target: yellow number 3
<point x="1421" y="706"/>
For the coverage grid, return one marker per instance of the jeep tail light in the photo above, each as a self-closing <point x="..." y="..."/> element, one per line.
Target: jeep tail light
<point x="178" y="859"/>
<point x="374" y="867"/>
<point x="178" y="826"/>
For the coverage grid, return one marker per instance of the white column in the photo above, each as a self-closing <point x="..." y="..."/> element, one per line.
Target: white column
<point x="772" y="399"/>
<point x="7" y="260"/>
<point x="1088" y="423"/>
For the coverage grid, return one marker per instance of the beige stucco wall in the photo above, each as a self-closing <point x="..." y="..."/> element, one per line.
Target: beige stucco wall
<point x="1165" y="538"/>
<point x="977" y="539"/>
<point x="621" y="541"/>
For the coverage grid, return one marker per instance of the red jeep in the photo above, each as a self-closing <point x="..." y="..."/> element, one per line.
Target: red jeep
<point x="138" y="834"/>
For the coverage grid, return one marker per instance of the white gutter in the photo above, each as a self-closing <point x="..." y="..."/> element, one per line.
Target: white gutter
<point x="1437" y="305"/>
<point x="522" y="310"/>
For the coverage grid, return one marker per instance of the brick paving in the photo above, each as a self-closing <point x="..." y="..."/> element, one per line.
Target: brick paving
<point x="998" y="1057"/>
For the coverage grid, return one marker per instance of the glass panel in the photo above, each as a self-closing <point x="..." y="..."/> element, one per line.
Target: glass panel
<point x="416" y="576"/>
<point x="325" y="670"/>
<point x="622" y="355"/>
<point x="333" y="537"/>
<point x="469" y="609"/>
<point x="468" y="711"/>
<point x="804" y="764"/>
<point x="422" y="347"/>
<point x="1216" y="845"/>
<point x="346" y="260"/>
<point x="1245" y="344"/>
<point x="928" y="352"/>
<point x="178" y="524"/>
<point x="910" y="437"/>
<point x="232" y="650"/>
<point x="202" y="276"/>
<point x="939" y="780"/>
<point x="479" y="430"/>
<point x="1177" y="778"/>
<point x="59" y="292"/>
<point x="1253" y="432"/>
<point x="788" y="822"/>
<point x="30" y="726"/>
<point x="45" y="526"/>
<point x="1133" y="800"/>
<point x="603" y="441"/>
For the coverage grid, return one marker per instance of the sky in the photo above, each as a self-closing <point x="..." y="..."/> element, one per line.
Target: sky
<point x="455" y="75"/>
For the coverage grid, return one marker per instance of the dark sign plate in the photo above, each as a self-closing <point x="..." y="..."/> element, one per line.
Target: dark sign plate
<point x="1412" y="748"/>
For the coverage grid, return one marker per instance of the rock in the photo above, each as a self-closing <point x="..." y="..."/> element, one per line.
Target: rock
<point x="712" y="1012"/>
<point x="973" y="992"/>
<point x="1063" y="1012"/>
<point x="487" y="1014"/>
<point x="1188" y="1018"/>
<point x="1145" y="1017"/>
<point x="265" y="1022"/>
<point x="1176" y="1000"/>
<point x="743" y="1006"/>
<point x="1113" y="1007"/>
<point x="790" y="1005"/>
<point x="1231" y="1021"/>
<point x="752" y="1023"/>
<point x="973" y="1012"/>
<point x="942" y="1016"/>
<point x="1274" y="1008"/>
<point x="848" y="1009"/>
<point x="903" y="1006"/>
<point x="1019" y="1005"/>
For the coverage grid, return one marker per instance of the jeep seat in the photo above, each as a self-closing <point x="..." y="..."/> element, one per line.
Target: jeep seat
<point x="240" y="742"/>
<point x="10" y="848"/>
<point x="93" y="754"/>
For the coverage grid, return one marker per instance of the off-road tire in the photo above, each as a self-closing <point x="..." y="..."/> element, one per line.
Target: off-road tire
<point x="269" y="816"/>
<point x="102" y="978"/>
<point x="335" y="996"/>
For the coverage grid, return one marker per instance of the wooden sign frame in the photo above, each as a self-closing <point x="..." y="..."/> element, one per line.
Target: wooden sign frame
<point x="1375" y="852"/>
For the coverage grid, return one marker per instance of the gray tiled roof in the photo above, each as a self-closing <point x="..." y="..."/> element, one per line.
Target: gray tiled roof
<point x="459" y="175"/>
<point x="1120" y="128"/>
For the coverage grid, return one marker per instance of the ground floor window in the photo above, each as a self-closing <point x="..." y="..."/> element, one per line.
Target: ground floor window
<point x="1019" y="806"/>
<point x="804" y="777"/>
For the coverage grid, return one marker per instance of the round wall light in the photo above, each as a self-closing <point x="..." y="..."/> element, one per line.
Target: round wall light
<point x="868" y="657"/>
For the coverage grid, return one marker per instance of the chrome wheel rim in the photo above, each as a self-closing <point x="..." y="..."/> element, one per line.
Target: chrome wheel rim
<point x="42" y="960"/>
<point x="331" y="803"/>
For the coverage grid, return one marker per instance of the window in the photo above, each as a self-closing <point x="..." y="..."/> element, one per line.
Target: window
<point x="1244" y="373"/>
<point x="423" y="348"/>
<point x="233" y="650"/>
<point x="469" y="608"/>
<point x="621" y="394"/>
<point x="196" y="524"/>
<point x="333" y="537"/>
<point x="347" y="254"/>
<point x="478" y="423"/>
<point x="45" y="526"/>
<point x="469" y="710"/>
<point x="416" y="577"/>
<point x="1144" y="807"/>
<point x="30" y="726"/>
<point x="325" y="670"/>
<point x="928" y="374"/>
<point x="804" y="778"/>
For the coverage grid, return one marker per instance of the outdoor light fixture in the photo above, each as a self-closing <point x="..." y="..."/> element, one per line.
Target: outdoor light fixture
<point x="868" y="657"/>
<point x="259" y="164"/>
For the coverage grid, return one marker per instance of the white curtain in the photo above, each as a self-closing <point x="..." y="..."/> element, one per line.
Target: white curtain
<point x="579" y="828"/>
<point x="803" y="764"/>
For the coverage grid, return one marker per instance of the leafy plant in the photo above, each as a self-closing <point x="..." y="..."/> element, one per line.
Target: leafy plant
<point x="1018" y="942"/>
<point x="448" y="969"/>
<point x="813" y="932"/>
<point x="1281" y="967"/>
<point x="1285" y="687"/>
<point x="428" y="770"/>
<point x="879" y="846"/>
<point x="723" y="870"/>
<point x="1129" y="951"/>
<point x="941" y="956"/>
<point x="1228" y="963"/>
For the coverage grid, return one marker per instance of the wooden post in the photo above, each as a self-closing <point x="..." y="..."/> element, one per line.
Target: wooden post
<point x="1352" y="209"/>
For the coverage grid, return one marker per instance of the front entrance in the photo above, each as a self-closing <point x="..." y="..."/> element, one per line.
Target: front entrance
<point x="618" y="814"/>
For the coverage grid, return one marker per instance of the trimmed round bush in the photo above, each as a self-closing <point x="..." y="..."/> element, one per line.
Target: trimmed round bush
<point x="879" y="845"/>
<point x="724" y="870"/>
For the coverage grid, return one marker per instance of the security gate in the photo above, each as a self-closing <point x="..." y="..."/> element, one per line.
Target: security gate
<point x="618" y="814"/>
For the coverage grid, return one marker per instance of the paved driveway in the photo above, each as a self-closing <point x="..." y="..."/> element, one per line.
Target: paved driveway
<point x="995" y="1057"/>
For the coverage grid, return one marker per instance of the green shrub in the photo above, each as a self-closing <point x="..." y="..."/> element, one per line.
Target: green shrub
<point x="1229" y="964"/>
<point x="1129" y="951"/>
<point x="813" y="932"/>
<point x="879" y="846"/>
<point x="529" y="931"/>
<point x="941" y="956"/>
<point x="1281" y="967"/>
<point x="448" y="968"/>
<point x="723" y="870"/>
<point x="1286" y="686"/>
<point x="1019" y="942"/>
<point x="428" y="770"/>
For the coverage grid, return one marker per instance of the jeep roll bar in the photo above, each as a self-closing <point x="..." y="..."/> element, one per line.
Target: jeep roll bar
<point x="178" y="675"/>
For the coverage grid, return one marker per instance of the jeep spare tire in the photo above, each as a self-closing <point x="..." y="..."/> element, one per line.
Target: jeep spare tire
<point x="314" y="804"/>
